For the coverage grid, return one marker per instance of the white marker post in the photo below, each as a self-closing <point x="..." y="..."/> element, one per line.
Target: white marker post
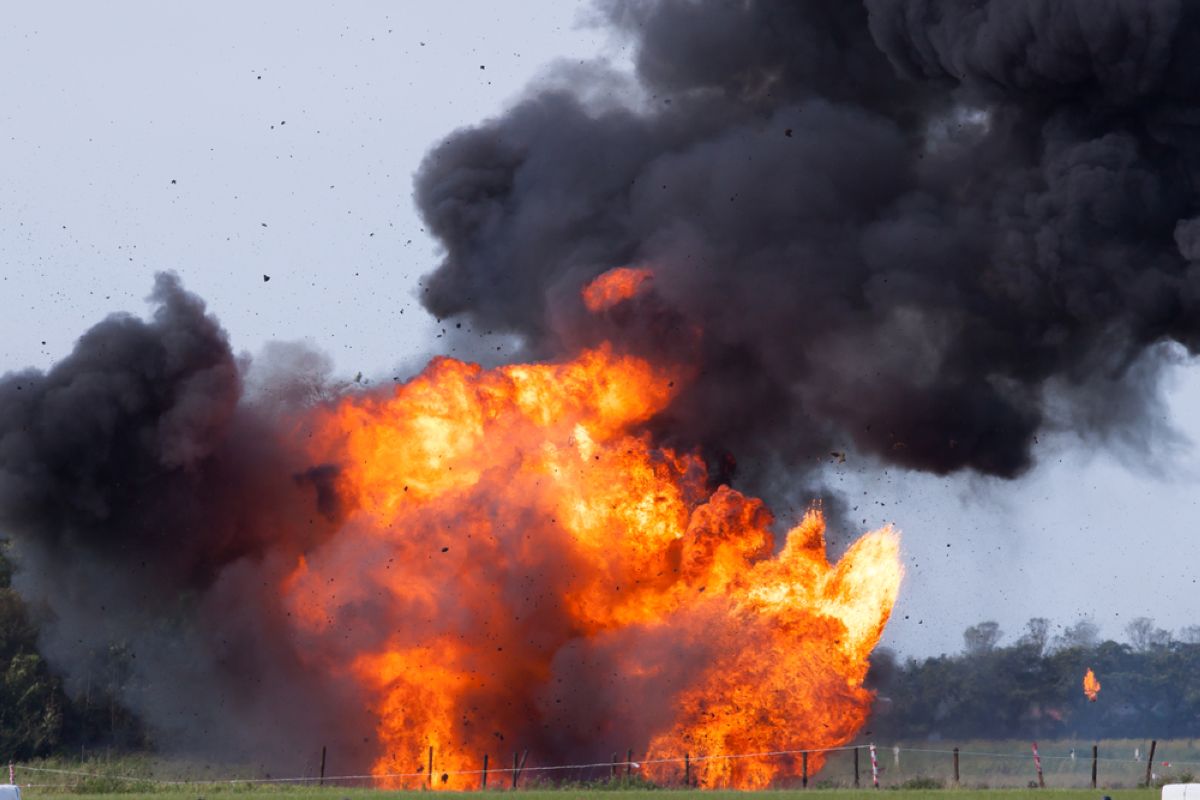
<point x="874" y="767"/>
<point x="1037" y="763"/>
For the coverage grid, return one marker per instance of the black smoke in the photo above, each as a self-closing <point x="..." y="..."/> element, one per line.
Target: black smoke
<point x="923" y="229"/>
<point x="154" y="506"/>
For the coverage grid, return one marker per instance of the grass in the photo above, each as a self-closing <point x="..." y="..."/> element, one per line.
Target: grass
<point x="988" y="771"/>
<point x="1009" y="764"/>
<point x="197" y="792"/>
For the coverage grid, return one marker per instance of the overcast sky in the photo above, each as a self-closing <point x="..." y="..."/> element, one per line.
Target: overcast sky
<point x="231" y="141"/>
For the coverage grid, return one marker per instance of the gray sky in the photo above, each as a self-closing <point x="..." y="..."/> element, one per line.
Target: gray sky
<point x="227" y="141"/>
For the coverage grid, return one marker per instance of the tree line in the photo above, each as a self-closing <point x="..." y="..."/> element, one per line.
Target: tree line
<point x="38" y="715"/>
<point x="1033" y="687"/>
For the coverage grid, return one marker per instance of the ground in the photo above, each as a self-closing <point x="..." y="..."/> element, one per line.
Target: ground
<point x="292" y="793"/>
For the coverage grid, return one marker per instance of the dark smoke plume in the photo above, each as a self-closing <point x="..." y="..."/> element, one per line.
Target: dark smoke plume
<point x="926" y="229"/>
<point x="153" y="505"/>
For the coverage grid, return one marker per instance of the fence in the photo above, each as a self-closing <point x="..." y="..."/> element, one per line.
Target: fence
<point x="1060" y="764"/>
<point x="1011" y="764"/>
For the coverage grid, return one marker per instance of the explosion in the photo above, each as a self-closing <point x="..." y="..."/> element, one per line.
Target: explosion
<point x="1091" y="686"/>
<point x="520" y="564"/>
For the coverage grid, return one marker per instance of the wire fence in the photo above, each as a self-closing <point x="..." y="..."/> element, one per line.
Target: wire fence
<point x="1060" y="764"/>
<point x="1009" y="764"/>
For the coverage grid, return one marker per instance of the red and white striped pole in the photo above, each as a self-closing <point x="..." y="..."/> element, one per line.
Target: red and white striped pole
<point x="874" y="767"/>
<point x="1037" y="763"/>
<point x="11" y="774"/>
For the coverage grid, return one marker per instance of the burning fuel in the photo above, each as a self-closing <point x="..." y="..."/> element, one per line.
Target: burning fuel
<point x="539" y="571"/>
<point x="1091" y="686"/>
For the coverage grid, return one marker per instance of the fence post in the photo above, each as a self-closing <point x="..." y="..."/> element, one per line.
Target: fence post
<point x="956" y="766"/>
<point x="1095" y="757"/>
<point x="687" y="769"/>
<point x="804" y="770"/>
<point x="483" y="781"/>
<point x="1037" y="763"/>
<point x="856" y="766"/>
<point x="629" y="763"/>
<point x="874" y="766"/>
<point x="430" y="766"/>
<point x="1150" y="761"/>
<point x="319" y="783"/>
<point x="518" y="765"/>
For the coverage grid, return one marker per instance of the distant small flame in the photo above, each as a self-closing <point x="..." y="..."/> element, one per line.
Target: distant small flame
<point x="1091" y="686"/>
<point x="614" y="286"/>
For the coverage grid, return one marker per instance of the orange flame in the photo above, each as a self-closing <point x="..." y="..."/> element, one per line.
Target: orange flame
<point x="520" y="563"/>
<point x="614" y="286"/>
<point x="1091" y="686"/>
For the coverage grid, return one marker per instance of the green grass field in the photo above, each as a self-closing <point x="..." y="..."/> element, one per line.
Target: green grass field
<point x="993" y="770"/>
<point x="294" y="793"/>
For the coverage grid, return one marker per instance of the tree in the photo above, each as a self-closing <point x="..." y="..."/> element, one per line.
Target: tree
<point x="1084" y="634"/>
<point x="30" y="708"/>
<point x="30" y="697"/>
<point x="981" y="638"/>
<point x="1036" y="635"/>
<point x="1190" y="634"/>
<point x="1144" y="636"/>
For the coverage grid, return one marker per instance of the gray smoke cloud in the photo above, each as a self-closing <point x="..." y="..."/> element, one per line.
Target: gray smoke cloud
<point x="155" y="504"/>
<point x="907" y="227"/>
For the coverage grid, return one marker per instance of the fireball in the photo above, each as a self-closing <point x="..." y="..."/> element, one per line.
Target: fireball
<point x="521" y="565"/>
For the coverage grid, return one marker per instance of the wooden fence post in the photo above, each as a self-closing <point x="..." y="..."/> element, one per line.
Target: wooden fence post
<point x="956" y="766"/>
<point x="430" y="766"/>
<point x="483" y="781"/>
<point x="856" y="766"/>
<point x="1095" y="757"/>
<point x="687" y="769"/>
<point x="518" y="765"/>
<point x="629" y="763"/>
<point x="322" y="781"/>
<point x="1150" y="761"/>
<point x="804" y="770"/>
